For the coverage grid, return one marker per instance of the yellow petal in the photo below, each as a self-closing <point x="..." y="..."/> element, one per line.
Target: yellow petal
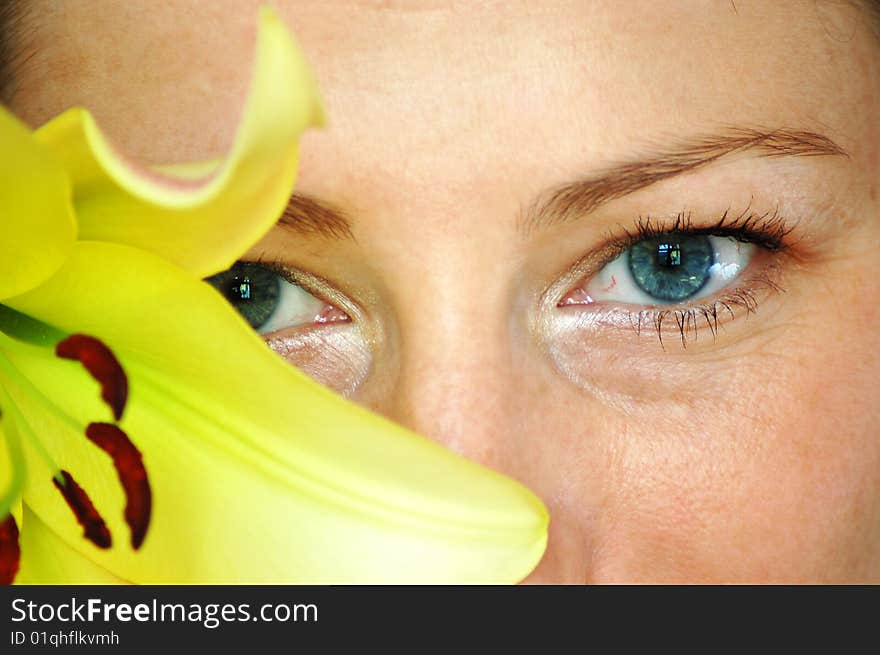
<point x="259" y="473"/>
<point x="47" y="559"/>
<point x="202" y="225"/>
<point x="12" y="465"/>
<point x="37" y="228"/>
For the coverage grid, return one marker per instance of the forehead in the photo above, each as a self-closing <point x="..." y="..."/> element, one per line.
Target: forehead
<point x="485" y="85"/>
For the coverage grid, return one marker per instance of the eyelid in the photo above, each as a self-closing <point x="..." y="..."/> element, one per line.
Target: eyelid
<point x="295" y="308"/>
<point x="686" y="320"/>
<point x="722" y="273"/>
<point x="768" y="229"/>
<point x="339" y="358"/>
<point x="316" y="285"/>
<point x="755" y="282"/>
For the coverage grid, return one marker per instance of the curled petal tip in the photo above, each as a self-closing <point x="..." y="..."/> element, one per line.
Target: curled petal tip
<point x="200" y="222"/>
<point x="132" y="474"/>
<point x="100" y="361"/>
<point x="95" y="530"/>
<point x="39" y="227"/>
<point x="10" y="552"/>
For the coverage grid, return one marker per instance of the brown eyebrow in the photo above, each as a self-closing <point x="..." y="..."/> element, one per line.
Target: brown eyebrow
<point x="311" y="217"/>
<point x="584" y="196"/>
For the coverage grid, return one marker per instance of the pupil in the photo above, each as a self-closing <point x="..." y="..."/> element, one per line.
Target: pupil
<point x="240" y="289"/>
<point x="669" y="254"/>
<point x="252" y="289"/>
<point x="672" y="267"/>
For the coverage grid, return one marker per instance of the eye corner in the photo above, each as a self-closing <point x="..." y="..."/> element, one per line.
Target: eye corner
<point x="576" y="296"/>
<point x="273" y="297"/>
<point x="677" y="281"/>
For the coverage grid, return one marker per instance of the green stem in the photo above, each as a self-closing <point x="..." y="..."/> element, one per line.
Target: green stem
<point x="28" y="329"/>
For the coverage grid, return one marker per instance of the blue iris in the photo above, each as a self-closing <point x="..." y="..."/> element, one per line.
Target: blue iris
<point x="672" y="267"/>
<point x="252" y="289"/>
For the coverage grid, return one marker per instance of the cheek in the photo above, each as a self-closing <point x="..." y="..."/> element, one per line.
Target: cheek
<point x="338" y="357"/>
<point x="752" y="458"/>
<point x="733" y="487"/>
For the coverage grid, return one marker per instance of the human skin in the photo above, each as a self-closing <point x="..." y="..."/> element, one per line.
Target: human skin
<point x="749" y="456"/>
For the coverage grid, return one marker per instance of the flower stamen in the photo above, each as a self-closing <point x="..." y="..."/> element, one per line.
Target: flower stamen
<point x="132" y="475"/>
<point x="95" y="529"/>
<point x="10" y="552"/>
<point x="100" y="361"/>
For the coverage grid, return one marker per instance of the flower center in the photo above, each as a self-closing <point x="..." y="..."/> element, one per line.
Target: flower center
<point x="103" y="366"/>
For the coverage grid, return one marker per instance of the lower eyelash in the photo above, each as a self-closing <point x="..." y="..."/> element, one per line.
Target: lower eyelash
<point x="768" y="230"/>
<point x="688" y="320"/>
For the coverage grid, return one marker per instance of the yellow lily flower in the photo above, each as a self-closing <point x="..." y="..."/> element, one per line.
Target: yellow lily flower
<point x="256" y="473"/>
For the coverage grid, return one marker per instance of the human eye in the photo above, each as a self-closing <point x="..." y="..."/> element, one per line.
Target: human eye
<point x="270" y="299"/>
<point x="303" y="318"/>
<point x="684" y="276"/>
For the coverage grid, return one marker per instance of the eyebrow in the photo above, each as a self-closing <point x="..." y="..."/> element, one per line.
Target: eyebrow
<point x="308" y="216"/>
<point x="16" y="46"/>
<point x="581" y="197"/>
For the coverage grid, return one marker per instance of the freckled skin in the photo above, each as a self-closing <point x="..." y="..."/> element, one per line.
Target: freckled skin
<point x="753" y="458"/>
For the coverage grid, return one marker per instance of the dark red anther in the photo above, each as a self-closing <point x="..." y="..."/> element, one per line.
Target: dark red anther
<point x="100" y="361"/>
<point x="95" y="529"/>
<point x="10" y="553"/>
<point x="132" y="475"/>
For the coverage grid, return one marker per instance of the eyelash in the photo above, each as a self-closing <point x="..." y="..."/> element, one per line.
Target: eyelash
<point x="687" y="319"/>
<point x="308" y="282"/>
<point x="769" y="230"/>
<point x="294" y="276"/>
<point x="277" y="266"/>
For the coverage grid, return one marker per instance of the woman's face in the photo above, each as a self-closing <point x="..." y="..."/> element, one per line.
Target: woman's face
<point x="693" y="408"/>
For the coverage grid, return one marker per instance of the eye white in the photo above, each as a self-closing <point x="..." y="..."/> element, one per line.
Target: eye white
<point x="615" y="281"/>
<point x="296" y="306"/>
